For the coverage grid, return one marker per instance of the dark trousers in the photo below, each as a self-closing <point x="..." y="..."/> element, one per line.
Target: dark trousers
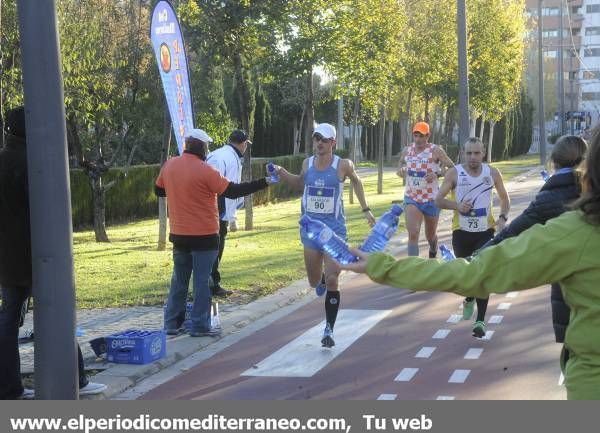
<point x="13" y="301"/>
<point x="215" y="275"/>
<point x="465" y="244"/>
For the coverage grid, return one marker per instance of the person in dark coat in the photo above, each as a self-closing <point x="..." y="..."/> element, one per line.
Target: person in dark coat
<point x="563" y="188"/>
<point x="15" y="260"/>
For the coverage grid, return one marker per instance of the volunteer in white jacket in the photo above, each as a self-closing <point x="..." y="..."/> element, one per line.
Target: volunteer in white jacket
<point x="228" y="160"/>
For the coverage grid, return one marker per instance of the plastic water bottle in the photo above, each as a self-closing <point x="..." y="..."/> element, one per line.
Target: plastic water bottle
<point x="545" y="175"/>
<point x="272" y="173"/>
<point x="447" y="253"/>
<point x="327" y="240"/>
<point x="383" y="231"/>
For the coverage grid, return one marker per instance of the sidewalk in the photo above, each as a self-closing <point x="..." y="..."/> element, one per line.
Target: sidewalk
<point x="101" y="322"/>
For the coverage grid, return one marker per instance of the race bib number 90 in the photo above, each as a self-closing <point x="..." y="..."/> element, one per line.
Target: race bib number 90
<point x="320" y="200"/>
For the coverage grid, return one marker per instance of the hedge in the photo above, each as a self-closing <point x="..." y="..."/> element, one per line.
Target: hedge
<point x="133" y="197"/>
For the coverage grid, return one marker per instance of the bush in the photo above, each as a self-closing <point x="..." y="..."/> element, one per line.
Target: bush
<point x="133" y="197"/>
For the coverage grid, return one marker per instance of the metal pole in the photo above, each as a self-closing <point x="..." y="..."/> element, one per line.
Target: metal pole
<point x="463" y="79"/>
<point x="541" y="113"/>
<point x="561" y="73"/>
<point x="340" y="123"/>
<point x="50" y="201"/>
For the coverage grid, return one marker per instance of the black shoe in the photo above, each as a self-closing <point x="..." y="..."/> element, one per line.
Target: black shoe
<point x="432" y="254"/>
<point x="220" y="292"/>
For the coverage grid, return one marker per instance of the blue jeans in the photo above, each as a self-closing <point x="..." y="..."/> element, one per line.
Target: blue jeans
<point x="185" y="262"/>
<point x="10" y="363"/>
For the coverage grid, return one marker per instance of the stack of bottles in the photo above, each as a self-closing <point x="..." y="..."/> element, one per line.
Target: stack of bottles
<point x="337" y="248"/>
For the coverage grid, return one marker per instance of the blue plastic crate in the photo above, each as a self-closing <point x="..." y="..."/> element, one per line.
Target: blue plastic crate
<point x="136" y="346"/>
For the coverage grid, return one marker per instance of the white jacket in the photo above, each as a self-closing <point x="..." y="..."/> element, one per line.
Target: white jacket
<point x="227" y="161"/>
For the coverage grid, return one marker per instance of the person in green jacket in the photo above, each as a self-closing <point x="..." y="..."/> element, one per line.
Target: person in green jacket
<point x="566" y="250"/>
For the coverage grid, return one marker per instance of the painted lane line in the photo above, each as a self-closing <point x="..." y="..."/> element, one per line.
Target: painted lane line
<point x="496" y="319"/>
<point x="406" y="375"/>
<point x="504" y="306"/>
<point x="512" y="294"/>
<point x="387" y="397"/>
<point x="459" y="376"/>
<point x="304" y="356"/>
<point x="488" y="335"/>
<point x="454" y="318"/>
<point x="440" y="334"/>
<point x="473" y="353"/>
<point x="445" y="397"/>
<point x="425" y="352"/>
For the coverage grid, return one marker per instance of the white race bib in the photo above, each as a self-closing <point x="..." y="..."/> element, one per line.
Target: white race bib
<point x="320" y="200"/>
<point x="417" y="182"/>
<point x="477" y="221"/>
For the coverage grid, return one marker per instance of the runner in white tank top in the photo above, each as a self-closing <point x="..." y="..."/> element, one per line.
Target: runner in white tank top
<point x="473" y="224"/>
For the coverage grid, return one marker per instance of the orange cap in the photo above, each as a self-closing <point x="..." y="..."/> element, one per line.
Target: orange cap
<point x="421" y="127"/>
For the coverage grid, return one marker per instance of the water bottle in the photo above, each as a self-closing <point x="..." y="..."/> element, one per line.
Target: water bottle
<point x="447" y="253"/>
<point x="545" y="175"/>
<point x="383" y="231"/>
<point x="327" y="240"/>
<point x="272" y="173"/>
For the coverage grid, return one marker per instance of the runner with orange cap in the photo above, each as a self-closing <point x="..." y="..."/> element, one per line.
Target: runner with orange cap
<point x="422" y="162"/>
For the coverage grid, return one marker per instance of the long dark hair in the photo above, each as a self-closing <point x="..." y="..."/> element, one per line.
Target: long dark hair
<point x="589" y="203"/>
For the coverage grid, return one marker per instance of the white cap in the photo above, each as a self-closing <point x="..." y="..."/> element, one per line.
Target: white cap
<point x="200" y="134"/>
<point x="326" y="130"/>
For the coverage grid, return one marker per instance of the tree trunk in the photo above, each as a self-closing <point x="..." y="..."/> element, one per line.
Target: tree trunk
<point x="490" y="140"/>
<point x="298" y="138"/>
<point x="449" y="125"/>
<point x="380" y="147"/>
<point x="295" y="135"/>
<point x="245" y="109"/>
<point x="426" y="116"/>
<point x="482" y="127"/>
<point x="472" y="123"/>
<point x="162" y="201"/>
<point x="310" y="114"/>
<point x="389" y="141"/>
<point x="73" y="142"/>
<point x="99" y="209"/>
<point x="354" y="145"/>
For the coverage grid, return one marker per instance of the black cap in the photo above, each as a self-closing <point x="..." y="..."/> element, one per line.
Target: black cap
<point x="15" y="122"/>
<point x="238" y="136"/>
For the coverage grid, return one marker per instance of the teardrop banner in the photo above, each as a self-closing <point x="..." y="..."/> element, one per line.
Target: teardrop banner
<point x="167" y="41"/>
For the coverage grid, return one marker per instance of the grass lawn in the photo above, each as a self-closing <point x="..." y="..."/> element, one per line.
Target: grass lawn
<point x="130" y="271"/>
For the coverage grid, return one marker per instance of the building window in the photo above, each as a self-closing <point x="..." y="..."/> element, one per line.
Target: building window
<point x="572" y="75"/>
<point x="550" y="12"/>
<point x="590" y="96"/>
<point x="591" y="75"/>
<point x="576" y="31"/>
<point x="575" y="9"/>
<point x="592" y="31"/>
<point x="551" y="54"/>
<point x="592" y="9"/>
<point x="550" y="33"/>
<point x="591" y="52"/>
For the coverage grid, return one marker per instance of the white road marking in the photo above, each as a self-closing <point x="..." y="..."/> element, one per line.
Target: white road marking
<point x="440" y="334"/>
<point x="445" y="397"/>
<point x="561" y="379"/>
<point x="387" y="397"/>
<point x="459" y="376"/>
<point x="304" y="356"/>
<point x="488" y="335"/>
<point x="454" y="318"/>
<point x="473" y="353"/>
<point x="504" y="306"/>
<point x="425" y="352"/>
<point x="512" y="294"/>
<point x="496" y="319"/>
<point x="406" y="375"/>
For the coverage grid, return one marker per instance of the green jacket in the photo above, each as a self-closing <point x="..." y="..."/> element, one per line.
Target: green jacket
<point x="565" y="250"/>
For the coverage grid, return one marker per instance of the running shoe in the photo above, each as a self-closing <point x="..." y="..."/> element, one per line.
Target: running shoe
<point x="327" y="340"/>
<point x="468" y="308"/>
<point x="479" y="329"/>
